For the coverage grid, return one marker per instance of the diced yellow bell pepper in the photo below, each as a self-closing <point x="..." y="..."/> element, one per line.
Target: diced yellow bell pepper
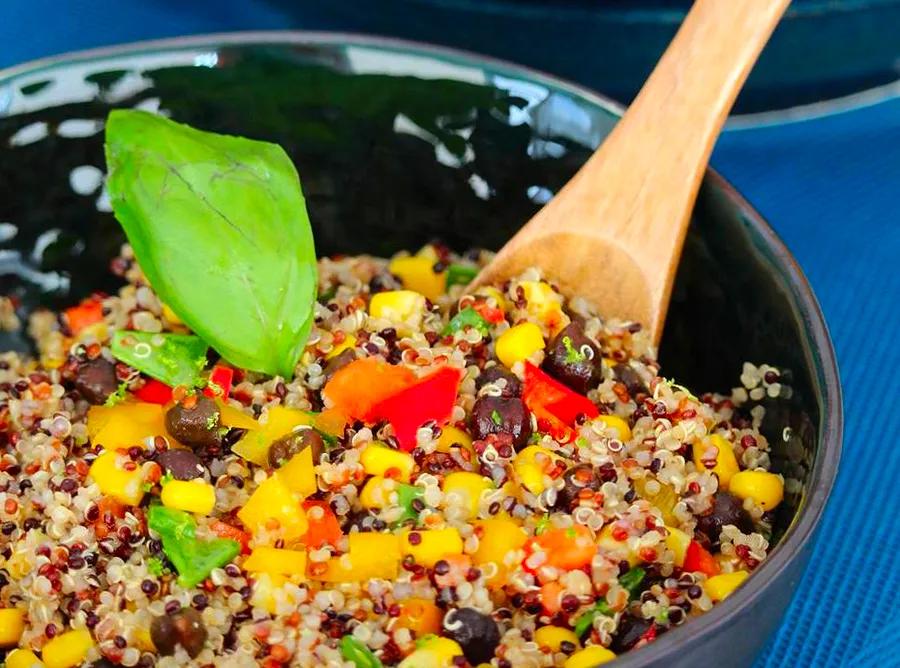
<point x="348" y="342"/>
<point x="498" y="537"/>
<point x="143" y="641"/>
<point x="264" y="588"/>
<point x="766" y="489"/>
<point x="169" y="315"/>
<point x="12" y="626"/>
<point x="229" y="416"/>
<point x="545" y="304"/>
<point x="417" y="273"/>
<point x="451" y="436"/>
<point x="664" y="499"/>
<point x="589" y="657"/>
<point x="378" y="459"/>
<point x="274" y="502"/>
<point x="67" y="650"/>
<point x="370" y="555"/>
<point x="420" y="615"/>
<point x="432" y="545"/>
<point x="493" y="293"/>
<point x="376" y="492"/>
<point x="403" y="307"/>
<point x="276" y="561"/>
<point x="531" y="464"/>
<point x="115" y="481"/>
<point x="720" y="587"/>
<point x="726" y="463"/>
<point x="23" y="658"/>
<point x="678" y="542"/>
<point x="519" y="343"/>
<point x="299" y="474"/>
<point x="281" y="421"/>
<point x="554" y="636"/>
<point x="615" y="422"/>
<point x="194" y="496"/>
<point x="618" y="548"/>
<point x="125" y="424"/>
<point x="434" y="652"/>
<point x="470" y="486"/>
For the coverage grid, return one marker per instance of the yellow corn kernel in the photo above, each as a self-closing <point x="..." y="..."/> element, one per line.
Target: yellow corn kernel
<point x="23" y="658"/>
<point x="169" y="315"/>
<point x="519" y="343"/>
<point x="766" y="489"/>
<point x="531" y="464"/>
<point x="113" y="480"/>
<point x="618" y="424"/>
<point x="299" y="474"/>
<point x="417" y="274"/>
<point x="194" y="496"/>
<point x="377" y="459"/>
<point x="348" y="343"/>
<point x="276" y="561"/>
<point x="375" y="494"/>
<point x="677" y="541"/>
<point x="125" y="424"/>
<point x="545" y="304"/>
<point x="469" y="486"/>
<point x="274" y="503"/>
<point x="589" y="657"/>
<point x="450" y="436"/>
<point x="497" y="538"/>
<point x="433" y="652"/>
<point x="554" y="636"/>
<point x="716" y="447"/>
<point x="69" y="649"/>
<point x="618" y="548"/>
<point x="664" y="498"/>
<point x="370" y="555"/>
<point x="432" y="546"/>
<point x="279" y="421"/>
<point x="720" y="587"/>
<point x="399" y="306"/>
<point x="12" y="626"/>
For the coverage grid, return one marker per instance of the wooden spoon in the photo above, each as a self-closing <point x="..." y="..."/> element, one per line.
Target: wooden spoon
<point x="614" y="233"/>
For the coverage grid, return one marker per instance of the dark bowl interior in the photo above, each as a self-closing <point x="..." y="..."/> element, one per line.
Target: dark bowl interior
<point x="397" y="145"/>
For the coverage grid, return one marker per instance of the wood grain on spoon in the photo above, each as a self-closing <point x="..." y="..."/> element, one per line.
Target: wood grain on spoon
<point x="614" y="233"/>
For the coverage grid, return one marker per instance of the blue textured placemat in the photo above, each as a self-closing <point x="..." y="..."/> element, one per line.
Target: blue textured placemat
<point x="828" y="186"/>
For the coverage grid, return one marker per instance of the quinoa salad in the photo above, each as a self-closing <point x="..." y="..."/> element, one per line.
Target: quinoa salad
<point x="415" y="474"/>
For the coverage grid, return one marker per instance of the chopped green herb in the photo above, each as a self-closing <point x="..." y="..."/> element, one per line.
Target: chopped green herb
<point x="328" y="294"/>
<point x="117" y="396"/>
<point x="220" y="228"/>
<point x="586" y="621"/>
<point x="468" y="317"/>
<point x="542" y="525"/>
<point x="212" y="420"/>
<point x="676" y="386"/>
<point x="155" y="566"/>
<point x="496" y="418"/>
<point x="632" y="580"/>
<point x="174" y="359"/>
<point x="573" y="355"/>
<point x="460" y="274"/>
<point x="357" y="653"/>
<point x="406" y="498"/>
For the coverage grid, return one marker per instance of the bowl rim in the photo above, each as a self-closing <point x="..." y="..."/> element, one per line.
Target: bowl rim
<point x="818" y="349"/>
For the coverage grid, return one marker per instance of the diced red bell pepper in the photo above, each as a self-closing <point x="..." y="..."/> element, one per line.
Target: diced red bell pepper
<point x="698" y="560"/>
<point x="87" y="313"/>
<point x="492" y="314"/>
<point x="324" y="529"/>
<point x="355" y="389"/>
<point x="219" y="384"/>
<point x="154" y="392"/>
<point x="554" y="404"/>
<point x="225" y="530"/>
<point x="431" y="398"/>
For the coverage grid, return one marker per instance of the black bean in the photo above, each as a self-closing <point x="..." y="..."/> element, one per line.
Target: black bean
<point x="476" y="633"/>
<point x="196" y="425"/>
<point x="501" y="415"/>
<point x="512" y="387"/>
<point x="573" y="359"/>
<point x="629" y="632"/>
<point x="726" y="509"/>
<point x="182" y="464"/>
<point x="630" y="378"/>
<point x="162" y="633"/>
<point x="287" y="446"/>
<point x="96" y="379"/>
<point x="185" y="627"/>
<point x="576" y="479"/>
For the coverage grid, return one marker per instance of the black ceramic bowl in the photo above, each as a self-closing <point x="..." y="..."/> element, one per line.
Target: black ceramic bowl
<point x="398" y="144"/>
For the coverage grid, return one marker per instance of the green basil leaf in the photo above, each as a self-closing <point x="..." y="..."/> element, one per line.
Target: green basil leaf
<point x="174" y="359"/>
<point x="220" y="229"/>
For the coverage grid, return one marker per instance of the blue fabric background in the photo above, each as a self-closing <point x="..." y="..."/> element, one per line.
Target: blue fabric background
<point x="828" y="186"/>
